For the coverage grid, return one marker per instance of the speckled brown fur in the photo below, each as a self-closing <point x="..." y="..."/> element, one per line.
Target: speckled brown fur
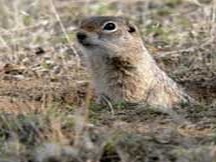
<point x="122" y="68"/>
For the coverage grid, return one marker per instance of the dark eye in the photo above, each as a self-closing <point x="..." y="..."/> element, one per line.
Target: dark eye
<point x="110" y="26"/>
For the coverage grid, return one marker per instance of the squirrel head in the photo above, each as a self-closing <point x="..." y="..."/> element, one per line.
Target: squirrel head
<point x="107" y="33"/>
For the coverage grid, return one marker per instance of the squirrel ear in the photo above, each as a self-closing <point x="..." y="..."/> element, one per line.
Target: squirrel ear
<point x="131" y="27"/>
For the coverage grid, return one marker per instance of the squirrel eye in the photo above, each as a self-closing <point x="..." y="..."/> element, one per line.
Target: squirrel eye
<point x="110" y="26"/>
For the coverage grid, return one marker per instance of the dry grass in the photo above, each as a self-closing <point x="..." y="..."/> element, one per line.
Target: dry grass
<point x="47" y="105"/>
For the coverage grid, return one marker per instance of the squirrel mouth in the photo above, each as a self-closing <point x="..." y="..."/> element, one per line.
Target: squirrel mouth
<point x="85" y="43"/>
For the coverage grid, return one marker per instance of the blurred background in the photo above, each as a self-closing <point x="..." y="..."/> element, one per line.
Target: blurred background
<point x="44" y="81"/>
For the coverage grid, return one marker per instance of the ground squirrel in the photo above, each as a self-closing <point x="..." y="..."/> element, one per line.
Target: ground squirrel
<point x="121" y="66"/>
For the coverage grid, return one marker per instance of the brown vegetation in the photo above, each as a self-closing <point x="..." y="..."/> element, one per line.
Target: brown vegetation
<point x="48" y="113"/>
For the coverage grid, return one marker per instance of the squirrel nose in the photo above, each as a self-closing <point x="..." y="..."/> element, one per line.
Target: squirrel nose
<point x="81" y="36"/>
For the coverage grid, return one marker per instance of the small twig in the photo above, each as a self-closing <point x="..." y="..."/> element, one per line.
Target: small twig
<point x="196" y="2"/>
<point x="14" y="31"/>
<point x="64" y="30"/>
<point x="4" y="43"/>
<point x="213" y="18"/>
<point x="59" y="20"/>
<point x="109" y="104"/>
<point x="164" y="54"/>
